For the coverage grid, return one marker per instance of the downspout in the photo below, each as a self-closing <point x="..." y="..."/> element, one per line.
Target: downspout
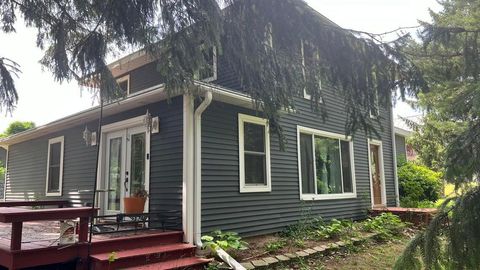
<point x="197" y="223"/>
<point x="394" y="147"/>
<point x="5" y="176"/>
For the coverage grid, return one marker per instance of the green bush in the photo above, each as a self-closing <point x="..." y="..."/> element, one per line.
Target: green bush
<point x="385" y="226"/>
<point x="224" y="240"/>
<point x="418" y="185"/>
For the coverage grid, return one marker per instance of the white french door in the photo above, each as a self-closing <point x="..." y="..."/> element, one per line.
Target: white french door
<point x="125" y="166"/>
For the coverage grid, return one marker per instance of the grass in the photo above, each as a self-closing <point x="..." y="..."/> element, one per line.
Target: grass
<point x="370" y="256"/>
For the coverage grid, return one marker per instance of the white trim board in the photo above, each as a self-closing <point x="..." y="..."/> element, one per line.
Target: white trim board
<point x="245" y="188"/>
<point x="315" y="197"/>
<point x="382" y="171"/>
<point x="51" y="141"/>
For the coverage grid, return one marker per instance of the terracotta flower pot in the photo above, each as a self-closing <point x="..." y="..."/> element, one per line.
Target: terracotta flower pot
<point x="134" y="205"/>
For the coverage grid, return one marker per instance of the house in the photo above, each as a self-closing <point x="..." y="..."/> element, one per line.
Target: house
<point x="212" y="163"/>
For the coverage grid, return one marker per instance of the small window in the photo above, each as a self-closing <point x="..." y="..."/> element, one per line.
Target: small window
<point x="309" y="54"/>
<point x="254" y="154"/>
<point x="124" y="84"/>
<point x="54" y="167"/>
<point x="374" y="112"/>
<point x="326" y="168"/>
<point x="209" y="72"/>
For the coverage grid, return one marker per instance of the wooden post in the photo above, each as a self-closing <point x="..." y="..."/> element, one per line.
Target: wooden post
<point x="16" y="237"/>
<point x="83" y="230"/>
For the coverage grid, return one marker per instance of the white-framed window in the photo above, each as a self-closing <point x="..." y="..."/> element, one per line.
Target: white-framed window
<point x="124" y="83"/>
<point x="209" y="72"/>
<point x="325" y="165"/>
<point x="54" y="179"/>
<point x="375" y="111"/>
<point x="306" y="53"/>
<point x="254" y="154"/>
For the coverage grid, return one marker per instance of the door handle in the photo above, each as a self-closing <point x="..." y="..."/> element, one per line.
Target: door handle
<point x="125" y="183"/>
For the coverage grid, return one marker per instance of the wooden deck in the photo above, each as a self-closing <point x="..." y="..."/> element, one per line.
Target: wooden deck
<point x="30" y="238"/>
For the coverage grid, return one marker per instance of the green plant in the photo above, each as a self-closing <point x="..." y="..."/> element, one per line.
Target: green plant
<point x="386" y="226"/>
<point x="224" y="240"/>
<point x="418" y="184"/>
<point x="274" y="246"/>
<point x="140" y="193"/>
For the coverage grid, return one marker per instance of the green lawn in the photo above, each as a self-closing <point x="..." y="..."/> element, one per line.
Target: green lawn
<point x="372" y="255"/>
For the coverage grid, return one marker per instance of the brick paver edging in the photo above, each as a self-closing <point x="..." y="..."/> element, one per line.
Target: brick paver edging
<point x="262" y="263"/>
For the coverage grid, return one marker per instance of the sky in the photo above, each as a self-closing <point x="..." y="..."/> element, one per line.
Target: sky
<point x="42" y="100"/>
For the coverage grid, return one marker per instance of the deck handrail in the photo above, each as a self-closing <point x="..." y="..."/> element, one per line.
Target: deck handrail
<point x="17" y="216"/>
<point x="59" y="203"/>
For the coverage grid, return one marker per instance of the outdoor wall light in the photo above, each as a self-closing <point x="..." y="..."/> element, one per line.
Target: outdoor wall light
<point x="89" y="137"/>
<point x="151" y="123"/>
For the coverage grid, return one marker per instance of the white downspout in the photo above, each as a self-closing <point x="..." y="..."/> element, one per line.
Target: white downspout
<point x="6" y="173"/>
<point x="394" y="149"/>
<point x="197" y="224"/>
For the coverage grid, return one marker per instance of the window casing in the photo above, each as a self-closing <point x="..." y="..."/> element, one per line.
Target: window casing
<point x="54" y="179"/>
<point x="325" y="164"/>
<point x="254" y="154"/>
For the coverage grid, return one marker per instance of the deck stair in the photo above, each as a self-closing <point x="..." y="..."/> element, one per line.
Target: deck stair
<point x="153" y="251"/>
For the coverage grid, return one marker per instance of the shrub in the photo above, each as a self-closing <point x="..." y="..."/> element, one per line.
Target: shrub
<point x="385" y="225"/>
<point x="274" y="246"/>
<point x="418" y="185"/>
<point x="224" y="240"/>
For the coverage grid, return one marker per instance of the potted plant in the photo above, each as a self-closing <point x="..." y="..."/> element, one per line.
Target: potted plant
<point x="135" y="204"/>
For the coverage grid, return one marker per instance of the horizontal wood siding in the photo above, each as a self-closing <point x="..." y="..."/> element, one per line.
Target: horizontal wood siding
<point x="28" y="161"/>
<point x="257" y="213"/>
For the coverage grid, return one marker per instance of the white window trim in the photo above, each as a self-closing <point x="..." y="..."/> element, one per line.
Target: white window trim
<point x="245" y="188"/>
<point x="123" y="79"/>
<point x="60" y="179"/>
<point x="315" y="197"/>
<point x="382" y="171"/>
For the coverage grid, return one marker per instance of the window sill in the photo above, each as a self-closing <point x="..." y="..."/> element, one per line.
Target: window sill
<point x="58" y="194"/>
<point x="312" y="197"/>
<point x="253" y="189"/>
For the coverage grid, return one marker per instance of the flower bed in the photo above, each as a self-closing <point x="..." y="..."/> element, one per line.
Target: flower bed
<point x="308" y="237"/>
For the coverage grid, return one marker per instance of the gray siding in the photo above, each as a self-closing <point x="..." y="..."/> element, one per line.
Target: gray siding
<point x="257" y="213"/>
<point x="28" y="160"/>
<point x="400" y="146"/>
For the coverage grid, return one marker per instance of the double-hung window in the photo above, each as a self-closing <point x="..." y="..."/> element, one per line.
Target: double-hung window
<point x="325" y="162"/>
<point x="54" y="167"/>
<point x="254" y="154"/>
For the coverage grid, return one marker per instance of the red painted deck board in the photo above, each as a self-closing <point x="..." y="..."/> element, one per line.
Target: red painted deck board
<point x="173" y="264"/>
<point x="142" y="251"/>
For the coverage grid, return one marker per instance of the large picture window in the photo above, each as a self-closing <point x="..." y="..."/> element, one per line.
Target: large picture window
<point x="326" y="168"/>
<point x="254" y="154"/>
<point x="54" y="167"/>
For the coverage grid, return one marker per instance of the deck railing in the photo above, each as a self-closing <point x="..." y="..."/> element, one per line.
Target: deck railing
<point x="16" y="216"/>
<point x="58" y="203"/>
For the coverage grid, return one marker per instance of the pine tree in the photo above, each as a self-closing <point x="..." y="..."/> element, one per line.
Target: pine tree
<point x="451" y="63"/>
<point x="262" y="38"/>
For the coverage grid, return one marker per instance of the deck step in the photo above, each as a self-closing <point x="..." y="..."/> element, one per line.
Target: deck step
<point x="184" y="263"/>
<point x="142" y="256"/>
<point x="136" y="241"/>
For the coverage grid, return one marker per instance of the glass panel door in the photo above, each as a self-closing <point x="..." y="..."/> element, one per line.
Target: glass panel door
<point x="115" y="171"/>
<point x="137" y="162"/>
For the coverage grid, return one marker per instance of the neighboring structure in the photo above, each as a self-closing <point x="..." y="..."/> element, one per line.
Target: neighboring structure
<point x="403" y="149"/>
<point x="213" y="162"/>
